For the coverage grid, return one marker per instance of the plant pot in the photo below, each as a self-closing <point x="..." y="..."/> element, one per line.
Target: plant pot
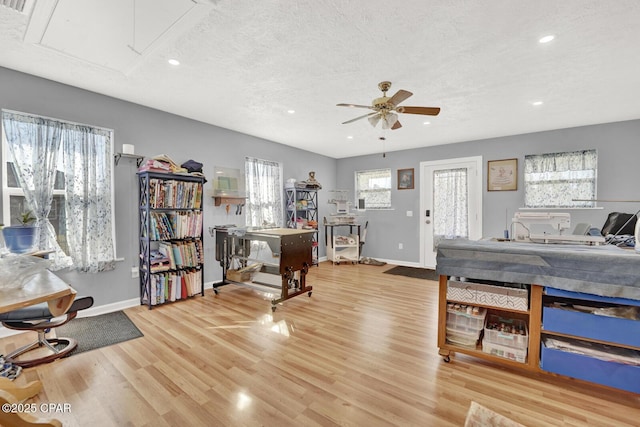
<point x="20" y="239"/>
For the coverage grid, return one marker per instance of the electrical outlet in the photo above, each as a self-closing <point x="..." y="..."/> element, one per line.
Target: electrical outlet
<point x="400" y="246"/>
<point x="134" y="272"/>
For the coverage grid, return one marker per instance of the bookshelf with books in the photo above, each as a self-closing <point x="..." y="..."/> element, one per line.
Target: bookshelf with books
<point x="171" y="242"/>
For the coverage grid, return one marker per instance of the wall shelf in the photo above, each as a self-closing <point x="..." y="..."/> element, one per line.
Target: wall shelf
<point x="228" y="200"/>
<point x="138" y="158"/>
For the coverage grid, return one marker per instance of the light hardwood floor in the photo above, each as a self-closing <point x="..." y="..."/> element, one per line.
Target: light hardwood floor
<point x="360" y="352"/>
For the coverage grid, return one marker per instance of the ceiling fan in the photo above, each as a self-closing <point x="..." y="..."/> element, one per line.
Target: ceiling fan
<point x="384" y="107"/>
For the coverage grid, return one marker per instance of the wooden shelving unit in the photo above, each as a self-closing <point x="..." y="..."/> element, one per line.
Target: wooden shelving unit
<point x="532" y="317"/>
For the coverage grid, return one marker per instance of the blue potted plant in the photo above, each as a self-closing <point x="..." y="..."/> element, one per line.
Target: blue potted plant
<point x="21" y="238"/>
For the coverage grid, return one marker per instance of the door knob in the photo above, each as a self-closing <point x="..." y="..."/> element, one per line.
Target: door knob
<point x="428" y="221"/>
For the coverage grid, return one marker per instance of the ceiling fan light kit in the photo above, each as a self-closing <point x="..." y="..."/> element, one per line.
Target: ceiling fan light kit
<point x="384" y="108"/>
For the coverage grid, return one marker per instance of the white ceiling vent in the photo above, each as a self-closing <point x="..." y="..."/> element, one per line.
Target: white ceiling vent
<point x="17" y="5"/>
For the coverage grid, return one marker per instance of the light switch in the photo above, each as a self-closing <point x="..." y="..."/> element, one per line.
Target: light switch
<point x="409" y="213"/>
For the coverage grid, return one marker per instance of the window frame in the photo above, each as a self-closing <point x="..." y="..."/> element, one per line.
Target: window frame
<point x="388" y="189"/>
<point x="576" y="202"/>
<point x="7" y="191"/>
<point x="278" y="212"/>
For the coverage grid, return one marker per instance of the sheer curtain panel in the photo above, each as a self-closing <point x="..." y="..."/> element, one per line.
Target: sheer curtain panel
<point x="557" y="180"/>
<point x="88" y="163"/>
<point x="450" y="205"/>
<point x="34" y="144"/>
<point x="264" y="193"/>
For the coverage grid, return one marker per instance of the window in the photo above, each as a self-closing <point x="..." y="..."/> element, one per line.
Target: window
<point x="560" y="180"/>
<point x="374" y="186"/>
<point x="62" y="173"/>
<point x="264" y="192"/>
<point x="450" y="204"/>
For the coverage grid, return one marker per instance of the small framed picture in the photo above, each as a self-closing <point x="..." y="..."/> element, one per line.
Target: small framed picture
<point x="502" y="175"/>
<point x="405" y="179"/>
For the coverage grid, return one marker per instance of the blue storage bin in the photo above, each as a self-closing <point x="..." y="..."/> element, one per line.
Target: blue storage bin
<point x="612" y="374"/>
<point x="602" y="328"/>
<point x="590" y="297"/>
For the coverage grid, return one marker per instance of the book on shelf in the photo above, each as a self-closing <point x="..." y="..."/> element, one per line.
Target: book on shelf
<point x="175" y="225"/>
<point x="174" y="285"/>
<point x="170" y="193"/>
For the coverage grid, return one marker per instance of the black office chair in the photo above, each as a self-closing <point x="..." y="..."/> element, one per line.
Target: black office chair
<point x="38" y="318"/>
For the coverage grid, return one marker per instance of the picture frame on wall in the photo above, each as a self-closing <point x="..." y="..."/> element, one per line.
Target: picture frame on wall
<point x="502" y="175"/>
<point x="405" y="179"/>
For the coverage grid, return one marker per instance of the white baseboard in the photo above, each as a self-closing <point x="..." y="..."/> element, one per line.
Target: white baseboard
<point x="89" y="312"/>
<point x="402" y="263"/>
<point x="109" y="308"/>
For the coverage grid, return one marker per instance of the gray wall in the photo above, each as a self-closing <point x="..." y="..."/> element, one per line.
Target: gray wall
<point x="618" y="146"/>
<point x="154" y="132"/>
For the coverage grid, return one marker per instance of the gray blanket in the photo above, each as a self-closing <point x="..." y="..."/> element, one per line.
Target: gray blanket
<point x="600" y="270"/>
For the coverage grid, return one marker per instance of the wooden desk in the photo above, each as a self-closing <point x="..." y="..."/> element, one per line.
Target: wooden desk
<point x="44" y="287"/>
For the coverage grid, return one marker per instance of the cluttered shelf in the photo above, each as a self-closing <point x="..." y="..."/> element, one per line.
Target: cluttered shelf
<point x="171" y="246"/>
<point x="567" y="287"/>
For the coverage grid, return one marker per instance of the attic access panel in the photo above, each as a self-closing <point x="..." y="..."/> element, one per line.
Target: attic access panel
<point x="115" y="34"/>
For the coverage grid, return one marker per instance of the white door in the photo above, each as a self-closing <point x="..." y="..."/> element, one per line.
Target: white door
<point x="451" y="203"/>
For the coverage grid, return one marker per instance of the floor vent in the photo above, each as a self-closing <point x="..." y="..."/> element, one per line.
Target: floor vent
<point x="17" y="5"/>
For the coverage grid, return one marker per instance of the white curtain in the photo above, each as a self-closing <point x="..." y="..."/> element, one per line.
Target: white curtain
<point x="450" y="205"/>
<point x="264" y="193"/>
<point x="375" y="187"/>
<point x="34" y="144"/>
<point x="558" y="179"/>
<point x="87" y="170"/>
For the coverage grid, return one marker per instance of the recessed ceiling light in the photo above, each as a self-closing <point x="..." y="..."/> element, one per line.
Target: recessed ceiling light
<point x="426" y="123"/>
<point x="547" y="39"/>
<point x="349" y="137"/>
<point x="291" y="111"/>
<point x="537" y="103"/>
<point x="174" y="62"/>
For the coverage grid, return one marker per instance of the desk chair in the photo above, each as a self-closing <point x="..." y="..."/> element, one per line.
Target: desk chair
<point x="38" y="318"/>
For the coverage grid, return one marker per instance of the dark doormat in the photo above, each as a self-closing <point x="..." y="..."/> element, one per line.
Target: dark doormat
<point x="418" y="273"/>
<point x="99" y="331"/>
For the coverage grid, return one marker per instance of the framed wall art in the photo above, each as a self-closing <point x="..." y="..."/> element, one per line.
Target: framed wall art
<point x="405" y="179"/>
<point x="502" y="175"/>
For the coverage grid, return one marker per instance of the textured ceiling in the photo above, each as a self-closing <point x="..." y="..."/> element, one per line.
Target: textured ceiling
<point x="244" y="64"/>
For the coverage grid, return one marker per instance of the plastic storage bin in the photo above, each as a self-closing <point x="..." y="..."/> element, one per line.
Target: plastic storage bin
<point x="507" y="352"/>
<point x="596" y="325"/>
<point x="464" y="339"/>
<point x="458" y="319"/>
<point x="506" y="332"/>
<point x="582" y="366"/>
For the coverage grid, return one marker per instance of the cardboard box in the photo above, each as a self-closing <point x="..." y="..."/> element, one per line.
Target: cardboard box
<point x="238" y="276"/>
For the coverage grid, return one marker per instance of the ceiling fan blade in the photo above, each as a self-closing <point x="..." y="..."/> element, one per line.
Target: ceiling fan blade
<point x="425" y="111"/>
<point x="375" y="119"/>
<point x="400" y="96"/>
<point x="396" y="125"/>
<point x="354" y="106"/>
<point x="358" y="118"/>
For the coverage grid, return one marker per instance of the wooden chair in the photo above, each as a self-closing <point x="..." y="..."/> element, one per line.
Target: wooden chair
<point x="21" y="419"/>
<point x="38" y="318"/>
